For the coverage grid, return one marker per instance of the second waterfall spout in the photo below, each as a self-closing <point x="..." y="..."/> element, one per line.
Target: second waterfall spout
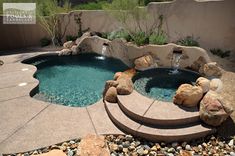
<point x="177" y="54"/>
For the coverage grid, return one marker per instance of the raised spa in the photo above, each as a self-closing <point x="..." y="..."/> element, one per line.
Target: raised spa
<point x="74" y="80"/>
<point x="162" y="83"/>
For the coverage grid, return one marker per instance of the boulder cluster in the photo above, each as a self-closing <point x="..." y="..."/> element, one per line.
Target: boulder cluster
<point x="72" y="47"/>
<point x="214" y="109"/>
<point x="120" y="85"/>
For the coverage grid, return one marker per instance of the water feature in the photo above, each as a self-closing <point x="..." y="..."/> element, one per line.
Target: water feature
<point x="74" y="80"/>
<point x="160" y="84"/>
<point x="103" y="52"/>
<point x="177" y="54"/>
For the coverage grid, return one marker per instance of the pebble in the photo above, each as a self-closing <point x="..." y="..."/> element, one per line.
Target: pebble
<point x="140" y="151"/>
<point x="171" y="150"/>
<point x="231" y="143"/>
<point x="152" y="153"/>
<point x="179" y="148"/>
<point x="232" y="154"/>
<point x="188" y="147"/>
<point x="174" y="144"/>
<point x="70" y="153"/>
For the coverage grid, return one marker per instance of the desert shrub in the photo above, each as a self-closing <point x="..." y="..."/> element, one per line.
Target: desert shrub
<point x="119" y="34"/>
<point x="220" y="52"/>
<point x="140" y="38"/>
<point x="188" y="41"/>
<point x="158" y="38"/>
<point x="71" y="38"/>
<point x="45" y="42"/>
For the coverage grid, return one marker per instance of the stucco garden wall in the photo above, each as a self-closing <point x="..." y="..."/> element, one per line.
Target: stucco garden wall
<point x="211" y="21"/>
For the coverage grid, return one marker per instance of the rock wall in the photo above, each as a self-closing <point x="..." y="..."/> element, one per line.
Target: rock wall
<point x="127" y="52"/>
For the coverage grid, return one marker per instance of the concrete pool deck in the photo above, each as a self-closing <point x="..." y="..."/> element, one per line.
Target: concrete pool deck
<point x="27" y="123"/>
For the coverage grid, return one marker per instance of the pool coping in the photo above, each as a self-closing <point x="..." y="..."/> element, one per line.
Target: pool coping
<point x="35" y="126"/>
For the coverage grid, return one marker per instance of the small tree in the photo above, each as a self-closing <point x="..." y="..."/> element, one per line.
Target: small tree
<point x="49" y="19"/>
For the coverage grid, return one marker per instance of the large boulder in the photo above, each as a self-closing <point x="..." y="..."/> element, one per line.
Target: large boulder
<point x="126" y="74"/>
<point x="213" y="109"/>
<point x="198" y="64"/>
<point x="68" y="44"/>
<point x="144" y="62"/>
<point x="212" y="69"/>
<point x="111" y="95"/>
<point x="108" y="84"/>
<point x="216" y="85"/>
<point x="125" y="86"/>
<point x="204" y="83"/>
<point x="188" y="95"/>
<point x="93" y="145"/>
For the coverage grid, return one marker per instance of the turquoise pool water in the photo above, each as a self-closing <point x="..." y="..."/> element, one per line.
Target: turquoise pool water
<point x="161" y="84"/>
<point x="74" y="80"/>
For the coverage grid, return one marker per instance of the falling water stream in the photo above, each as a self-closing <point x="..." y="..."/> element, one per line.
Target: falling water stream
<point x="176" y="63"/>
<point x="103" y="53"/>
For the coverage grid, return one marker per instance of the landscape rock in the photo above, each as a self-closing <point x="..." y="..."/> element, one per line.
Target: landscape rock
<point x="199" y="63"/>
<point x="188" y="95"/>
<point x="111" y="95"/>
<point x="185" y="153"/>
<point x="204" y="83"/>
<point x="130" y="72"/>
<point x="117" y="75"/>
<point x="125" y="86"/>
<point x="75" y="49"/>
<point x="65" y="52"/>
<point x="53" y="153"/>
<point x="93" y="145"/>
<point x="216" y="85"/>
<point x="213" y="109"/>
<point x="108" y="84"/>
<point x="85" y="35"/>
<point x="144" y="62"/>
<point x="212" y="69"/>
<point x="68" y="44"/>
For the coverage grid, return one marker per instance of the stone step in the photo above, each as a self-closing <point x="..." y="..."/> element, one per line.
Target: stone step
<point x="157" y="133"/>
<point x="149" y="111"/>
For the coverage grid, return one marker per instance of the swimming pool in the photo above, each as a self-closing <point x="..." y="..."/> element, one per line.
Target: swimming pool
<point x="74" y="80"/>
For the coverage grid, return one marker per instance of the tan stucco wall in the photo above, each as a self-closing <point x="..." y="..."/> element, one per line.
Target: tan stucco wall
<point x="14" y="36"/>
<point x="211" y="21"/>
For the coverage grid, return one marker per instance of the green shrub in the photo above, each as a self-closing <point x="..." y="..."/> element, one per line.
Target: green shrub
<point x="119" y="34"/>
<point x="71" y="38"/>
<point x="188" y="41"/>
<point x="140" y="38"/>
<point x="220" y="52"/>
<point x="45" y="42"/>
<point x="158" y="38"/>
